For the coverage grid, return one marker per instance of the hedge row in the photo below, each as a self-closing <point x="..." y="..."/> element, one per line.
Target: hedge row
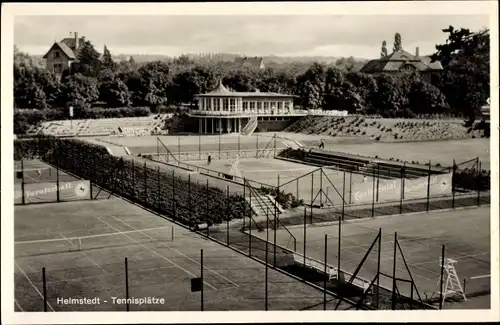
<point x="24" y="118"/>
<point x="189" y="203"/>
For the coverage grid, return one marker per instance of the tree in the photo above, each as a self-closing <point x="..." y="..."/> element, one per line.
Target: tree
<point x="424" y="98"/>
<point x="310" y="95"/>
<point x="466" y="78"/>
<point x="115" y="93"/>
<point x="383" y="51"/>
<point x="397" y="43"/>
<point x="88" y="63"/>
<point x="79" y="91"/>
<point x="107" y="60"/>
<point x="391" y="95"/>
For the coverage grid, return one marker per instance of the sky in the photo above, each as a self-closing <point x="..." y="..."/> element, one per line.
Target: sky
<point x="337" y="35"/>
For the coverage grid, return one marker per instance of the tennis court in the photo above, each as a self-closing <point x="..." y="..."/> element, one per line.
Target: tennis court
<point x="194" y="143"/>
<point x="299" y="179"/>
<point x="465" y="234"/>
<point x="83" y="246"/>
<point x="39" y="182"/>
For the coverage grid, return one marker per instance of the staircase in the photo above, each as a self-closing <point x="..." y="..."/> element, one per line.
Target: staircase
<point x="250" y="127"/>
<point x="289" y="143"/>
<point x="260" y="203"/>
<point x="366" y="165"/>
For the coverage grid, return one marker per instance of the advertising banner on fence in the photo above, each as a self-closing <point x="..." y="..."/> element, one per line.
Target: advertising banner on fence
<point x="47" y="192"/>
<point x="389" y="190"/>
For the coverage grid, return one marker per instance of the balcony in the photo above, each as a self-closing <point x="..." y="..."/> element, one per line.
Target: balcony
<point x="248" y="113"/>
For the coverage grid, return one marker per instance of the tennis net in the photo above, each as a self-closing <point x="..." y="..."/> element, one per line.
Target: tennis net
<point x="101" y="241"/>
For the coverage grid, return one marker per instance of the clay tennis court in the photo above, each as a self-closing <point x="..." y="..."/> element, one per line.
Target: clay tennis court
<point x="465" y="234"/>
<point x="83" y="246"/>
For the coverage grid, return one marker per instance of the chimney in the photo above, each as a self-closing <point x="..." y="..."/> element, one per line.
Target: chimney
<point x="77" y="41"/>
<point x="416" y="52"/>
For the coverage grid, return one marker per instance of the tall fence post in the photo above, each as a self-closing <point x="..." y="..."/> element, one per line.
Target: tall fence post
<point x="178" y="148"/>
<point x="378" y="265"/>
<point x="44" y="284"/>
<point x="199" y="147"/>
<point x="394" y="273"/>
<point x="343" y="197"/>
<point x="276" y="218"/>
<point x="326" y="273"/>
<point x="429" y="187"/>
<point x="250" y="228"/>
<point x="189" y="194"/>
<point x="321" y="188"/>
<point x="478" y="182"/>
<point x="126" y="283"/>
<point x="275" y="145"/>
<point x="404" y="179"/>
<point x="267" y="253"/>
<point x="22" y="184"/>
<point x="373" y="194"/>
<point x="245" y="205"/>
<point x="160" y="197"/>
<point x="305" y="235"/>
<point x="453" y="181"/>
<point x="401" y="192"/>
<point x="339" y="244"/>
<point x="202" y="283"/>
<point x="350" y="187"/>
<point x="58" y="185"/>
<point x="297" y="189"/>
<point x="441" y="279"/>
<point x="227" y="214"/>
<point x="145" y="183"/>
<point x="378" y="180"/>
<point x="207" y="216"/>
<point x="312" y="193"/>
<point x="219" y="146"/>
<point x="257" y="147"/>
<point x="239" y="135"/>
<point x="133" y="179"/>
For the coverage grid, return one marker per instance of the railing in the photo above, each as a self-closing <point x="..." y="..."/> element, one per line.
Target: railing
<point x="294" y="112"/>
<point x="273" y="213"/>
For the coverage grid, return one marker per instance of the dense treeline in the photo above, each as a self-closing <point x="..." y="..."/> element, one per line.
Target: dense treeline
<point x="96" y="80"/>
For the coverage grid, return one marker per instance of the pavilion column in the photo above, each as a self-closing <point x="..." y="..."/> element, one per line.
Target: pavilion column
<point x="219" y="122"/>
<point x="199" y="128"/>
<point x="239" y="125"/>
<point x="205" y="125"/>
<point x="212" y="131"/>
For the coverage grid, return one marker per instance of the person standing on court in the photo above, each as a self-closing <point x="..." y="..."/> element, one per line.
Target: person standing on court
<point x="209" y="160"/>
<point x="322" y="144"/>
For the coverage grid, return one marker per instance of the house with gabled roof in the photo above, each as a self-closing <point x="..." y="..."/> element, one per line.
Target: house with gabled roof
<point x="401" y="62"/>
<point x="63" y="53"/>
<point x="255" y="62"/>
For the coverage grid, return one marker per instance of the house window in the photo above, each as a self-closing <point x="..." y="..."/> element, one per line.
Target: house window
<point x="245" y="106"/>
<point x="57" y="54"/>
<point x="408" y="68"/>
<point x="266" y="106"/>
<point x="57" y="67"/>
<point x="232" y="105"/>
<point x="226" y="104"/>
<point x="216" y="104"/>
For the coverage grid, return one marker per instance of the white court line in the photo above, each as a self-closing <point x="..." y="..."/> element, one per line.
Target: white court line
<point x="178" y="252"/>
<point x="455" y="258"/>
<point x="34" y="287"/>
<point x="18" y="305"/>
<point x="91" y="260"/>
<point x="156" y="253"/>
<point x="480" y="277"/>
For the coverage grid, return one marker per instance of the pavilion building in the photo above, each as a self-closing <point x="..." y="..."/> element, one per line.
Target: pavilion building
<point x="225" y="111"/>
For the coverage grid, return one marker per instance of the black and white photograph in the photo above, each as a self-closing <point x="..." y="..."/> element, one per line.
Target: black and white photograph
<point x="249" y="157"/>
